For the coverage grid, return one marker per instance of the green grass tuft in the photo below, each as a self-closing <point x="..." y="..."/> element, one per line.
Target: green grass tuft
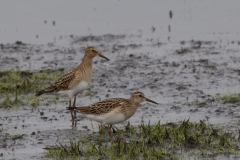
<point x="7" y="102"/>
<point x="230" y="98"/>
<point x="159" y="141"/>
<point x="19" y="87"/>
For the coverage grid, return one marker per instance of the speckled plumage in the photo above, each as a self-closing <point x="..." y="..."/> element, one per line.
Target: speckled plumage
<point x="75" y="81"/>
<point x="83" y="72"/>
<point x="112" y="111"/>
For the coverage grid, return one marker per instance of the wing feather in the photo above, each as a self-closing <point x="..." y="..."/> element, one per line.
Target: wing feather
<point x="102" y="107"/>
<point x="62" y="83"/>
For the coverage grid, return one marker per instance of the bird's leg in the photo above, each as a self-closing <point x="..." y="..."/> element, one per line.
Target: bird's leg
<point x="74" y="105"/>
<point x="100" y="132"/>
<point x="110" y="133"/>
<point x="70" y="105"/>
<point x="74" y="102"/>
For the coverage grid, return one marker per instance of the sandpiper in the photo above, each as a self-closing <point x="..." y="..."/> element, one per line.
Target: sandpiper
<point x="112" y="111"/>
<point x="75" y="81"/>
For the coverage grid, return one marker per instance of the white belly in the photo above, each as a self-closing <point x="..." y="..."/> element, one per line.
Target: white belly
<point x="107" y="118"/>
<point x="83" y="85"/>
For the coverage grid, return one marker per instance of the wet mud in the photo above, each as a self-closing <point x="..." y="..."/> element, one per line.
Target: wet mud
<point x="188" y="79"/>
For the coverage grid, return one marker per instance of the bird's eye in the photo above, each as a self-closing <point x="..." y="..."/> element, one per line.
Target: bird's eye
<point x="140" y="95"/>
<point x="93" y="51"/>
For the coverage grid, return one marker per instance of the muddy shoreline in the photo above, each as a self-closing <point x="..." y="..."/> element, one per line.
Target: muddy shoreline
<point x="187" y="78"/>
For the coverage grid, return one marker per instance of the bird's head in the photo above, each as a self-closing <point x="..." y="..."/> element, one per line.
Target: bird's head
<point x="93" y="52"/>
<point x="139" y="97"/>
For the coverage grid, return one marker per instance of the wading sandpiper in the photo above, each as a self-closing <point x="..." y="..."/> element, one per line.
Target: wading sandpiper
<point x="112" y="111"/>
<point x="75" y="81"/>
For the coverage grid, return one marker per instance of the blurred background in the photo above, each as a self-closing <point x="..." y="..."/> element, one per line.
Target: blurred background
<point x="41" y="22"/>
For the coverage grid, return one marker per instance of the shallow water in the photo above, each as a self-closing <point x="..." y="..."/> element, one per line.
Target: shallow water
<point x="47" y="21"/>
<point x="183" y="69"/>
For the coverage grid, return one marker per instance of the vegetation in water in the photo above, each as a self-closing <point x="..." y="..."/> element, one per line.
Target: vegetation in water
<point x="19" y="87"/>
<point x="159" y="141"/>
<point x="230" y="98"/>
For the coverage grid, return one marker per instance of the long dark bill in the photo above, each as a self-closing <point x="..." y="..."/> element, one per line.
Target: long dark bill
<point x="149" y="100"/>
<point x="100" y="55"/>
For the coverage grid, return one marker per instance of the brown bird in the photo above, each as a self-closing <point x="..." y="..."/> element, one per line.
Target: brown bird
<point x="112" y="111"/>
<point x="75" y="81"/>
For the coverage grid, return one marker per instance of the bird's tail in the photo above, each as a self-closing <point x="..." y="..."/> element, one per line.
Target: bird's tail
<point x="39" y="93"/>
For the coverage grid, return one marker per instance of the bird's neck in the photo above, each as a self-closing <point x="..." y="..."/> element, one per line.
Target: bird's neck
<point x="87" y="61"/>
<point x="133" y="107"/>
<point x="85" y="68"/>
<point x="134" y="102"/>
<point x="85" y="65"/>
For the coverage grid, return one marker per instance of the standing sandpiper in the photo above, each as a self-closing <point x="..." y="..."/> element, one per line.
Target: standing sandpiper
<point x="75" y="81"/>
<point x="112" y="111"/>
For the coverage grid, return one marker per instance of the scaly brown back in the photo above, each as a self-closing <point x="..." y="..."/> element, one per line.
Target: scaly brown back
<point x="81" y="73"/>
<point x="104" y="106"/>
<point x="62" y="83"/>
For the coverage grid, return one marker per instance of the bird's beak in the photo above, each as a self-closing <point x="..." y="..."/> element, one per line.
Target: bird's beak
<point x="100" y="55"/>
<point x="149" y="100"/>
